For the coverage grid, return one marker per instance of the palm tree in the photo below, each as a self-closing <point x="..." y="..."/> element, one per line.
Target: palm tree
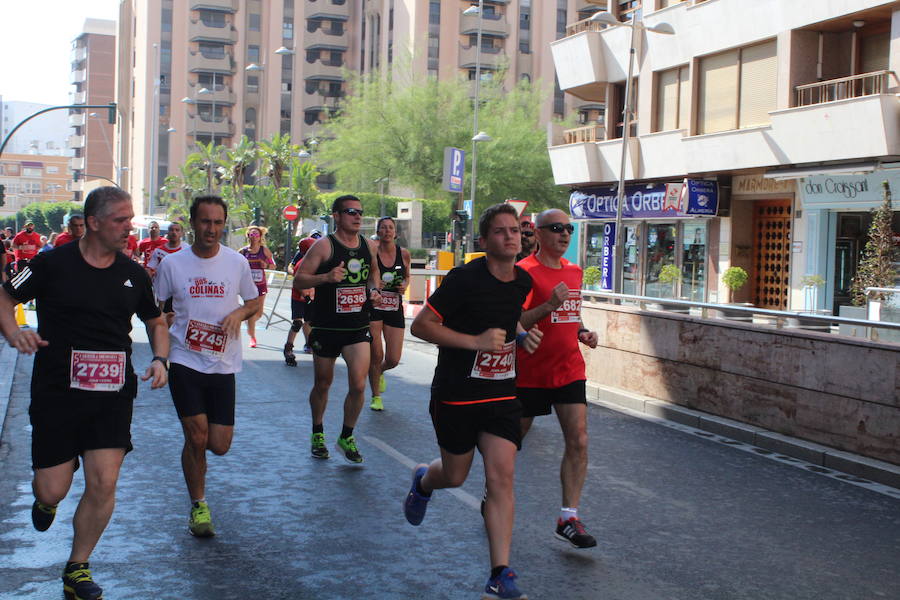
<point x="235" y="164"/>
<point x="277" y="155"/>
<point x="184" y="186"/>
<point x="206" y="157"/>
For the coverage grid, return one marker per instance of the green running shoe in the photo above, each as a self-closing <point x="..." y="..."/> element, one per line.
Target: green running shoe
<point x="78" y="585"/>
<point x="200" y="523"/>
<point x="382" y="384"/>
<point x="347" y="447"/>
<point x="319" y="449"/>
<point x="42" y="515"/>
<point x="376" y="403"/>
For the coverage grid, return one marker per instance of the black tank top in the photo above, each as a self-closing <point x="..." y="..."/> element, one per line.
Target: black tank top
<point x="395" y="273"/>
<point x="344" y="306"/>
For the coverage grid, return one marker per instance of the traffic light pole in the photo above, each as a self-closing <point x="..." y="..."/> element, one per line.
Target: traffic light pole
<point x="112" y="117"/>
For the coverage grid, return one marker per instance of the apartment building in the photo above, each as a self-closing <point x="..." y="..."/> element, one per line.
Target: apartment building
<point x="33" y="178"/>
<point x="213" y="70"/>
<point x="782" y="115"/>
<point x="91" y="141"/>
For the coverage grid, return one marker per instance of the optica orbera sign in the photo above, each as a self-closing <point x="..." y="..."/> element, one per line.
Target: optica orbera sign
<point x="695" y="198"/>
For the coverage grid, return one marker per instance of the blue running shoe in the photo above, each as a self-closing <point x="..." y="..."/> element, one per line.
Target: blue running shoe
<point x="78" y="584"/>
<point x="416" y="504"/>
<point x="503" y="586"/>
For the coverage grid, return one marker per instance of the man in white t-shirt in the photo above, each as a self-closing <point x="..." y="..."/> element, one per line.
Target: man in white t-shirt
<point x="173" y="244"/>
<point x="204" y="284"/>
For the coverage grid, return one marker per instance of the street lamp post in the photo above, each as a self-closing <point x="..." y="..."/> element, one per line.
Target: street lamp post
<point x="261" y="90"/>
<point x="154" y="129"/>
<point x="212" y="119"/>
<point x="477" y="136"/>
<point x="618" y="235"/>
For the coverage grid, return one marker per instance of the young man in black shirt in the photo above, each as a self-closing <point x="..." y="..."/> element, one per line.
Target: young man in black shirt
<point x="83" y="384"/>
<point x="474" y="318"/>
<point x="339" y="266"/>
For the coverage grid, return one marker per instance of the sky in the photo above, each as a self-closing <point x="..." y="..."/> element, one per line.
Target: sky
<point x="37" y="42"/>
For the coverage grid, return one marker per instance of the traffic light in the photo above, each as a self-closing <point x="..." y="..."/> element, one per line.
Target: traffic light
<point x="257" y="216"/>
<point x="76" y="175"/>
<point x="2" y="194"/>
<point x="112" y="113"/>
<point x="459" y="224"/>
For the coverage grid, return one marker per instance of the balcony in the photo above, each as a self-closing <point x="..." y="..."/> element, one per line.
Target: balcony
<point x="222" y="94"/>
<point x="77" y="119"/>
<point x="198" y="62"/>
<point x="222" y="5"/>
<point x="78" y="76"/>
<point x="491" y="25"/>
<point x="198" y="31"/>
<point x="76" y="163"/>
<point x="75" y="141"/>
<point x="198" y="126"/>
<point x="585" y="63"/>
<point x="79" y="97"/>
<point x="321" y="39"/>
<point x="328" y="10"/>
<point x="589" y="133"/>
<point x="320" y="70"/>
<point x="490" y="58"/>
<point x="78" y="54"/>
<point x="857" y="86"/>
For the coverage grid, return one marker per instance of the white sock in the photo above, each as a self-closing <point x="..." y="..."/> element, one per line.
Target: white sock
<point x="193" y="502"/>
<point x="566" y="513"/>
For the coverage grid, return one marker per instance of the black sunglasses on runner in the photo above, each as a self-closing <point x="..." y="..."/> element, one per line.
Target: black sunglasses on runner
<point x="352" y="211"/>
<point x="528" y="233"/>
<point x="558" y="227"/>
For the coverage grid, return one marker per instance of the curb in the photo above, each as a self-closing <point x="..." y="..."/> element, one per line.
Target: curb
<point x="8" y="358"/>
<point x="853" y="464"/>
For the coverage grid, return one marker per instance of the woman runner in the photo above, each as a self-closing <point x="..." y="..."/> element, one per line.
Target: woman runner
<point x="387" y="314"/>
<point x="260" y="258"/>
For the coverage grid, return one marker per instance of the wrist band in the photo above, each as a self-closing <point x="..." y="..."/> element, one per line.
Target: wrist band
<point x="583" y="330"/>
<point x="520" y="337"/>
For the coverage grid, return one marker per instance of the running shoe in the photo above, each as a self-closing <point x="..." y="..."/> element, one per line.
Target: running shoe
<point x="503" y="586"/>
<point x="78" y="585"/>
<point x="415" y="504"/>
<point x="290" y="359"/>
<point x="573" y="531"/>
<point x="200" y="523"/>
<point x="382" y="384"/>
<point x="307" y="349"/>
<point x="319" y="449"/>
<point x="42" y="515"/>
<point x="347" y="447"/>
<point x="252" y="342"/>
<point x="376" y="403"/>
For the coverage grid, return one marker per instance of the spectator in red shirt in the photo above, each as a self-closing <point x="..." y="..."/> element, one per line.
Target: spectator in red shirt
<point x="147" y="245"/>
<point x="26" y="245"/>
<point x="74" y="230"/>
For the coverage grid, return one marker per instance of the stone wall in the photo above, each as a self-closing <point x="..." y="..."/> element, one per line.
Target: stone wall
<point x="829" y="389"/>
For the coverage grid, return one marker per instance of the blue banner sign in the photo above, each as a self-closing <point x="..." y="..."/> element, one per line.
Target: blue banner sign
<point x="454" y="163"/>
<point x="607" y="260"/>
<point x="697" y="198"/>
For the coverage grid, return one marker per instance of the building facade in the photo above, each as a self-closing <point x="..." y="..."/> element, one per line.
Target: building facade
<point x="93" y="76"/>
<point x="214" y="70"/>
<point x="33" y="178"/>
<point x="780" y="113"/>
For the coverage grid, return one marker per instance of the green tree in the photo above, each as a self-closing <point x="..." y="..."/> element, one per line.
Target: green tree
<point x="235" y="163"/>
<point x="179" y="191"/>
<point x="876" y="268"/>
<point x="400" y="128"/>
<point x="206" y="158"/>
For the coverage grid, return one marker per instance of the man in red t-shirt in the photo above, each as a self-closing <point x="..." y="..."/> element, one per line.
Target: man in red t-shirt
<point x="554" y="375"/>
<point x="147" y="245"/>
<point x="301" y="303"/>
<point x="26" y="245"/>
<point x="131" y="248"/>
<point x="74" y="231"/>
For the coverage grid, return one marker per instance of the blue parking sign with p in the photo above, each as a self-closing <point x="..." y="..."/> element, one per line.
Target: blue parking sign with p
<point x="454" y="167"/>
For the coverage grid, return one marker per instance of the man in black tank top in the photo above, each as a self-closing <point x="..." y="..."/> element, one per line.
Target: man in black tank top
<point x="339" y="266"/>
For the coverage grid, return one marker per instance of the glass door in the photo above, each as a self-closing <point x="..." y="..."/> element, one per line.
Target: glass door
<point x="660" y="252"/>
<point x="631" y="277"/>
<point x="693" y="262"/>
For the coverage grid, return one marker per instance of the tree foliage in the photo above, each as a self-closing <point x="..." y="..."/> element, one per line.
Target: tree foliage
<point x="47" y="216"/>
<point x="399" y="129"/>
<point x="876" y="268"/>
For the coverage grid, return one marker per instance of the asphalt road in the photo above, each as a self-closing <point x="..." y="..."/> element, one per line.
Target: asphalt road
<point x="677" y="516"/>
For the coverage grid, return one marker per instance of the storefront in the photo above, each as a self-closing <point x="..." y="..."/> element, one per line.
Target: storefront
<point x="664" y="224"/>
<point x="838" y="215"/>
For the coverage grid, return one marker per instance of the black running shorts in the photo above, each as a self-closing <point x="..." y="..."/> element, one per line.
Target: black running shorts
<point x="390" y="318"/>
<point x="62" y="431"/>
<point x="301" y="309"/>
<point x="195" y="393"/>
<point x="457" y="425"/>
<point x="537" y="401"/>
<point x="328" y="343"/>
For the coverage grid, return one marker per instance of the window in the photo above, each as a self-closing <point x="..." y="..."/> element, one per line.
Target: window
<point x="673" y="99"/>
<point x="253" y="54"/>
<point x="874" y="52"/>
<point x="250" y="117"/>
<point x="253" y="83"/>
<point x="737" y="88"/>
<point x="212" y="18"/>
<point x="254" y="22"/>
<point x="211" y="81"/>
<point x="212" y="50"/>
<point x="287" y="30"/>
<point x="32" y="172"/>
<point x="312" y="56"/>
<point x="52" y="170"/>
<point x="311" y="117"/>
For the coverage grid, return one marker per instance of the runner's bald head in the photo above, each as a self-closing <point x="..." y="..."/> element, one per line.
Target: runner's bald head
<point x="551" y="215"/>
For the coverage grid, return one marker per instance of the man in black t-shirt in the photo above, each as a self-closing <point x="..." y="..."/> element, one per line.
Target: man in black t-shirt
<point x="83" y="384"/>
<point x="339" y="266"/>
<point x="474" y="318"/>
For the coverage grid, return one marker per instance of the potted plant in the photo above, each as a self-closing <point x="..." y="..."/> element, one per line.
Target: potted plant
<point x="734" y="278"/>
<point x="591" y="278"/>
<point x="670" y="274"/>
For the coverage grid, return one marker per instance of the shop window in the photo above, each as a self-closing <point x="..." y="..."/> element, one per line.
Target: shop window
<point x="673" y="100"/>
<point x="737" y="88"/>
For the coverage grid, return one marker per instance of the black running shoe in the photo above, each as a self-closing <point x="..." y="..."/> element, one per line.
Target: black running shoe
<point x="290" y="359"/>
<point x="573" y="531"/>
<point x="78" y="585"/>
<point x="42" y="515"/>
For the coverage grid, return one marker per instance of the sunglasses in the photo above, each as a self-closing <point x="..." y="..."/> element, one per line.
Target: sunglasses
<point x="352" y="211"/>
<point x="528" y="233"/>
<point x="558" y="227"/>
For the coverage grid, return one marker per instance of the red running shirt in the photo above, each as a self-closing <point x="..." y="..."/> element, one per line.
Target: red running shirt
<point x="558" y="360"/>
<point x="146" y="247"/>
<point x="30" y="244"/>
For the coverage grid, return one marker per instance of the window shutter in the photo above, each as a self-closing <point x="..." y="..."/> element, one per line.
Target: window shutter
<point x="759" y="81"/>
<point x="718" y="92"/>
<point x="874" y="52"/>
<point x="684" y="94"/>
<point x="667" y="100"/>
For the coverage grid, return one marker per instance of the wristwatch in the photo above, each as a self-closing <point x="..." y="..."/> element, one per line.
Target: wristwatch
<point x="163" y="361"/>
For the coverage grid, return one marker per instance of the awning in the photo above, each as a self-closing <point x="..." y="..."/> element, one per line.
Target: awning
<point x="801" y="172"/>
